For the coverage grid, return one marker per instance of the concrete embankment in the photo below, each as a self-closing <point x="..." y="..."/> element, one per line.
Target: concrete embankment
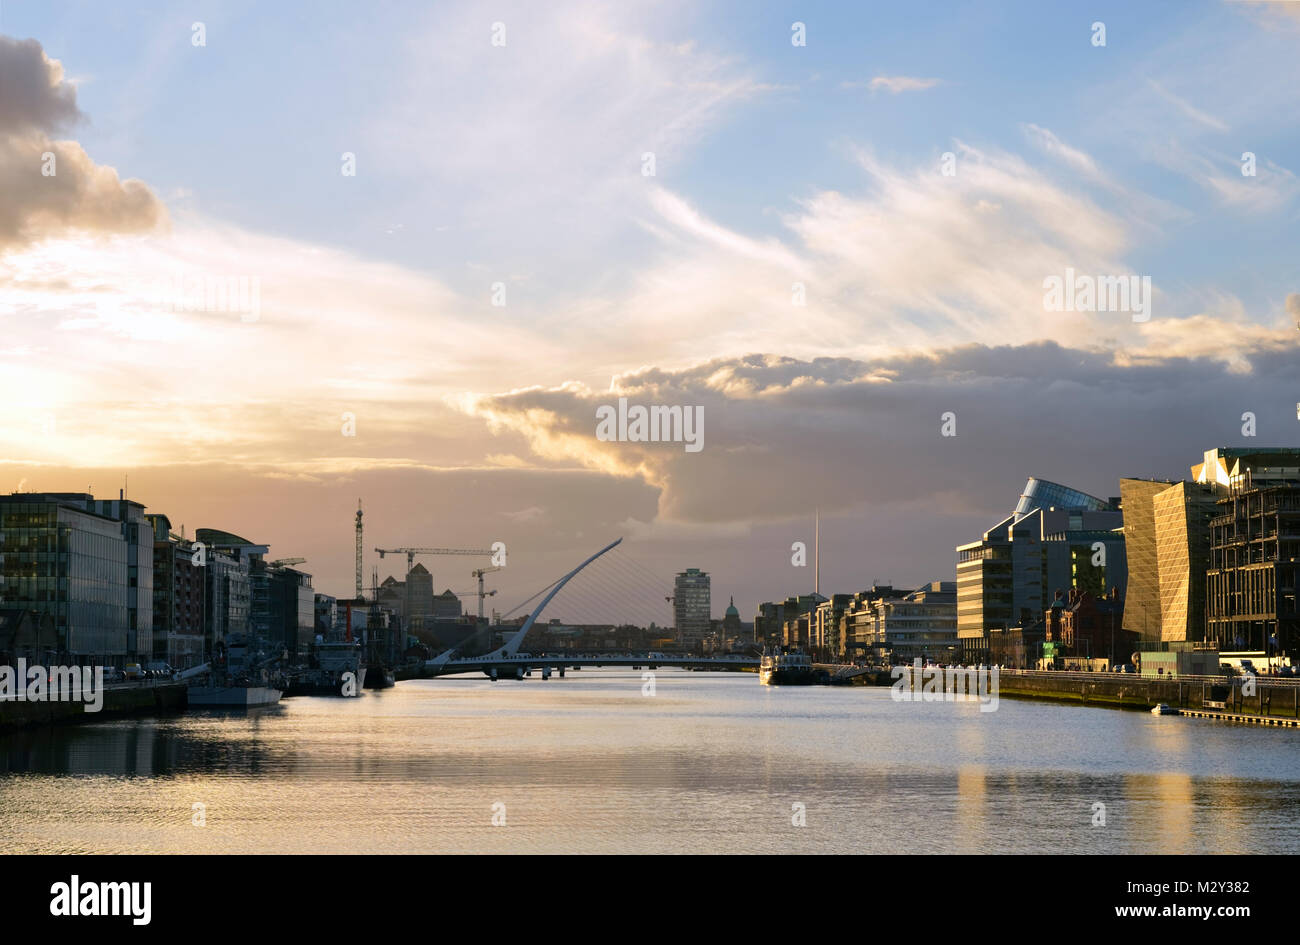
<point x="1142" y="693"/>
<point x="1210" y="695"/>
<point x="118" y="701"/>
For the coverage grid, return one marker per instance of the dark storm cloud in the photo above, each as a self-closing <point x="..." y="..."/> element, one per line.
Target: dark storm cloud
<point x="783" y="435"/>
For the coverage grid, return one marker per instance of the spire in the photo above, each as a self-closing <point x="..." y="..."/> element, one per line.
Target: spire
<point x="817" y="554"/>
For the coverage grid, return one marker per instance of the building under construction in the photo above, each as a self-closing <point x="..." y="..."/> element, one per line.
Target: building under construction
<point x="1254" y="562"/>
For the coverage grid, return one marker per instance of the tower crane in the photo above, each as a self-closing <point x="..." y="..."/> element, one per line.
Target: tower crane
<point x="412" y="552"/>
<point x="285" y="562"/>
<point x="478" y="573"/>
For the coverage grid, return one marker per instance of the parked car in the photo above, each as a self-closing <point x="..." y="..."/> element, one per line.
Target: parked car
<point x="133" y="671"/>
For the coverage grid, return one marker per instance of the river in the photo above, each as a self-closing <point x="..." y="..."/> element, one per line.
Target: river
<point x="708" y="763"/>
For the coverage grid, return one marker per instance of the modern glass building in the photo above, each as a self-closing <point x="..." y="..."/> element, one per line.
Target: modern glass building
<point x="1182" y="519"/>
<point x="88" y="564"/>
<point x="1043" y="494"/>
<point x="1057" y="538"/>
<point x="1142" y="602"/>
<point x="1213" y="558"/>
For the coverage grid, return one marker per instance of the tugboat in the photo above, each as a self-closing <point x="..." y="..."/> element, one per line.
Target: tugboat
<point x="788" y="668"/>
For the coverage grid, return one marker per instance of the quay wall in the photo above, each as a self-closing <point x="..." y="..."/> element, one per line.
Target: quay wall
<point x="1270" y="698"/>
<point x="126" y="700"/>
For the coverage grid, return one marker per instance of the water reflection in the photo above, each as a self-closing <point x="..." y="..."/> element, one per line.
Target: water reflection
<point x="710" y="764"/>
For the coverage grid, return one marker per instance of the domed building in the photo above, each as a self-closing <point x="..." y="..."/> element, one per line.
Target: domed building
<point x="731" y="621"/>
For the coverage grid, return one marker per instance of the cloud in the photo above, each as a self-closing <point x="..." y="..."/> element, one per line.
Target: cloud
<point x="1054" y="146"/>
<point x="784" y="434"/>
<point x="1267" y="191"/>
<point x="894" y="84"/>
<point x="541" y="141"/>
<point x="1197" y="115"/>
<point x="52" y="188"/>
<point x="33" y="93"/>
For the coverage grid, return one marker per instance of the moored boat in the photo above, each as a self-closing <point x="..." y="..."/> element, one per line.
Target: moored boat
<point x="788" y="668"/>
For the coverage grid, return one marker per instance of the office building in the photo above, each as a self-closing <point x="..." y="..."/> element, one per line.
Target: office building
<point x="238" y="597"/>
<point x="418" y="606"/>
<point x="860" y="621"/>
<point x="1182" y="519"/>
<point x="691" y="606"/>
<point x="1254" y="552"/>
<point x="1057" y="538"/>
<point x="178" y="598"/>
<point x="88" y="564"/>
<point x="1142" y="602"/>
<point x="830" y="626"/>
<point x="921" y="624"/>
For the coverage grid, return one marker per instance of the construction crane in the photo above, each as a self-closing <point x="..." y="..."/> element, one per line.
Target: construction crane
<point x="285" y="562"/>
<point x="358" y="597"/>
<point x="412" y="552"/>
<point x="481" y="594"/>
<point x="478" y="573"/>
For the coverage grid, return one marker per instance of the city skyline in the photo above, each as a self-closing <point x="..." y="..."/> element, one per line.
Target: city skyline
<point x="774" y="165"/>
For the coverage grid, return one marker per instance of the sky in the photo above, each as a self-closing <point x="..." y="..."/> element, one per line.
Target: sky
<point x="463" y="228"/>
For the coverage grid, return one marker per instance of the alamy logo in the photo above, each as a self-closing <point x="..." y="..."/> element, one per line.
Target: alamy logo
<point x="917" y="683"/>
<point x="98" y="899"/>
<point x="1076" y="293"/>
<point x="56" y="684"/>
<point x="236" y="295"/>
<point x="655" y="424"/>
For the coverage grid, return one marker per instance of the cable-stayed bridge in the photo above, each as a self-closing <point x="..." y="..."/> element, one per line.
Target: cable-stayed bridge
<point x="620" y="585"/>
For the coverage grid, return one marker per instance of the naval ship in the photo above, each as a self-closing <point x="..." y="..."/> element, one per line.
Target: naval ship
<point x="337" y="669"/>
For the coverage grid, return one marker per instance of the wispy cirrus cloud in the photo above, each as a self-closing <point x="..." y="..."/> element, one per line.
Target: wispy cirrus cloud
<point x="1187" y="109"/>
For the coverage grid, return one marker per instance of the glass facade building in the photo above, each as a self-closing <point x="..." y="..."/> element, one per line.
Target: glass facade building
<point x="1043" y="494"/>
<point x="1058" y="538"/>
<point x="88" y="564"/>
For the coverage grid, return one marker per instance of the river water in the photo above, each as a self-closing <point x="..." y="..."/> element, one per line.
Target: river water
<point x="708" y="763"/>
